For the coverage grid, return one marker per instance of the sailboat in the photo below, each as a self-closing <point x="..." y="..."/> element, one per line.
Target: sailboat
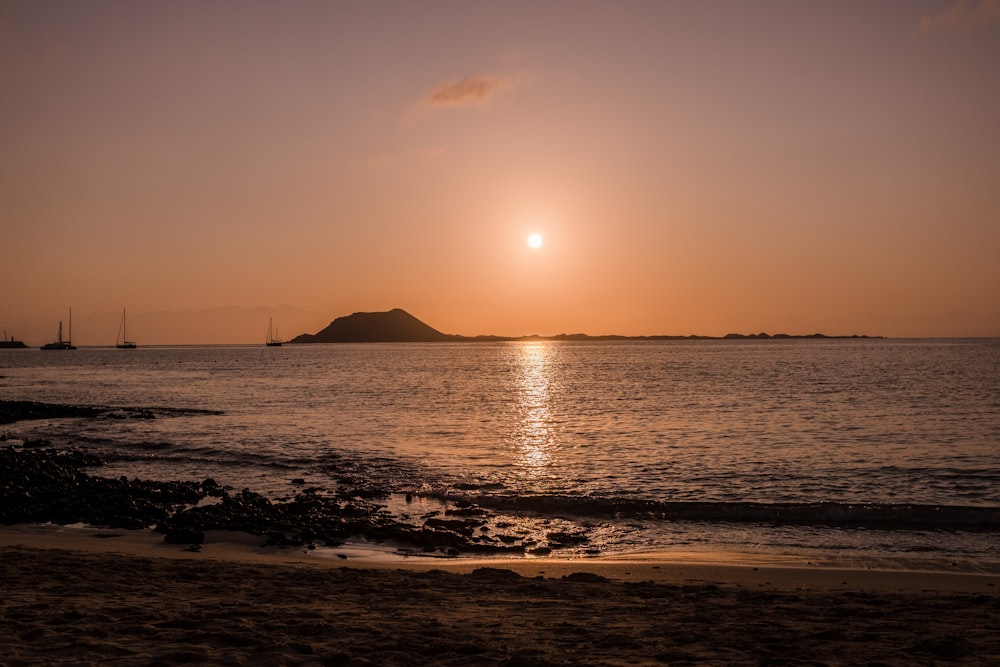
<point x="122" y="342"/>
<point x="62" y="344"/>
<point x="272" y="341"/>
<point x="10" y="342"/>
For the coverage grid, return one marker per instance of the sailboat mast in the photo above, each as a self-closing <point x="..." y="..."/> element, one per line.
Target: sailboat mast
<point x="70" y="341"/>
<point x="272" y="338"/>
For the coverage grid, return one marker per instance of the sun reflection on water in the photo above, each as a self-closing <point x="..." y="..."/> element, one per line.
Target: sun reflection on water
<point x="534" y="435"/>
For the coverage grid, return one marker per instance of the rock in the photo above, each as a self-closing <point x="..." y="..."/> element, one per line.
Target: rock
<point x="466" y="511"/>
<point x="563" y="539"/>
<point x="464" y="527"/>
<point x="586" y="577"/>
<point x="494" y="574"/>
<point x="396" y="325"/>
<point x="184" y="536"/>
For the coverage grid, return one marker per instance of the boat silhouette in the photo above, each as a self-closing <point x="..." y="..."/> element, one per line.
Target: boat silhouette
<point x="10" y="342"/>
<point x="272" y="340"/>
<point x="61" y="344"/>
<point x="122" y="342"/>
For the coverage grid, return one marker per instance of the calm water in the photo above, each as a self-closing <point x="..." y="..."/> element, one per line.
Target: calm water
<point x="710" y="424"/>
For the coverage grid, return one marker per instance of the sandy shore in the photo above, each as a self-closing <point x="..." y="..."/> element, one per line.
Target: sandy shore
<point x="82" y="596"/>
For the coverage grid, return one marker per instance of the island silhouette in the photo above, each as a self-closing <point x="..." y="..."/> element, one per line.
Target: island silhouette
<point x="394" y="326"/>
<point x="398" y="326"/>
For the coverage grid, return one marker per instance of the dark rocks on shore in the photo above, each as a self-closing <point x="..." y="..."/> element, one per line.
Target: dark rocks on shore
<point x="495" y="574"/>
<point x="562" y="539"/>
<point x="184" y="536"/>
<point x="49" y="485"/>
<point x="38" y="485"/>
<point x="586" y="578"/>
<point x="461" y="526"/>
<point x="12" y="411"/>
<point x="306" y="519"/>
<point x="465" y="508"/>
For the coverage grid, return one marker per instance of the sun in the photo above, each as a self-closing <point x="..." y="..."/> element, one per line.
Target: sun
<point x="535" y="241"/>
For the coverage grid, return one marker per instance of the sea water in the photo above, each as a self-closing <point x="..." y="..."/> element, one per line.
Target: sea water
<point x="735" y="444"/>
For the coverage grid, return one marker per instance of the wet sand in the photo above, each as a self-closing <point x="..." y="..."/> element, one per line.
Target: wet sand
<point x="83" y="596"/>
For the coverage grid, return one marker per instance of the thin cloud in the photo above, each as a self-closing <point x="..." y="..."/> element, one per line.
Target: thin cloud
<point x="471" y="91"/>
<point x="963" y="14"/>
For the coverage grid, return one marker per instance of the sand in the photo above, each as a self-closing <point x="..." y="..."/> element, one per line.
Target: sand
<point x="82" y="596"/>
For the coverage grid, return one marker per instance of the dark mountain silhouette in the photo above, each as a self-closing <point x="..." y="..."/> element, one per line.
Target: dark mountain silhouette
<point x="398" y="326"/>
<point x="394" y="326"/>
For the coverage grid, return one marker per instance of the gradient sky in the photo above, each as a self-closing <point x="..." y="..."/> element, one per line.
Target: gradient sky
<point x="698" y="167"/>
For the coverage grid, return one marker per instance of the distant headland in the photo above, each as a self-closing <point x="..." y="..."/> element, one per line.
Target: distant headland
<point x="398" y="326"/>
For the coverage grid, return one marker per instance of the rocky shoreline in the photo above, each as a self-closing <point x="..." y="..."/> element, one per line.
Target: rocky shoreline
<point x="41" y="483"/>
<point x="50" y="485"/>
<point x="77" y="600"/>
<point x="15" y="411"/>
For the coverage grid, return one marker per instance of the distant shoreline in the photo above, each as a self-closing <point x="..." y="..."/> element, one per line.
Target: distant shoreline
<point x="613" y="337"/>
<point x="399" y="326"/>
<point x="581" y="337"/>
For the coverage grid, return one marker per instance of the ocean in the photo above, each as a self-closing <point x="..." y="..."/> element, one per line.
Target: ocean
<point x="859" y="450"/>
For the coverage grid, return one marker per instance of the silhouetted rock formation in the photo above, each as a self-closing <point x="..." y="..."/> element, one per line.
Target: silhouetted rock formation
<point x="398" y="326"/>
<point x="394" y="326"/>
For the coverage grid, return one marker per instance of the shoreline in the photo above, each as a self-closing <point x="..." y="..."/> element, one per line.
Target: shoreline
<point x="76" y="592"/>
<point x="68" y="485"/>
<point x="738" y="569"/>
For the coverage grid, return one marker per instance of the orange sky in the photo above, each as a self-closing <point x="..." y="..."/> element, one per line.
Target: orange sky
<point x="698" y="167"/>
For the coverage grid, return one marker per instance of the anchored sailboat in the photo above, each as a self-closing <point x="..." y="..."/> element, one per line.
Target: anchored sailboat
<point x="122" y="342"/>
<point x="62" y="344"/>
<point x="10" y="342"/>
<point x="272" y="341"/>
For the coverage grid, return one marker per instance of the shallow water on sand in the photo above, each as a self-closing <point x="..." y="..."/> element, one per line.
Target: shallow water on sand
<point x="706" y="427"/>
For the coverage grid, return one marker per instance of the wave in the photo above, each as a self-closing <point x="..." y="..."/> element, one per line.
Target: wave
<point x="846" y="515"/>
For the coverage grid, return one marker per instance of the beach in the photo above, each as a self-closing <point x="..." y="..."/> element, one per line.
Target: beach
<point x="254" y="532"/>
<point x="88" y="596"/>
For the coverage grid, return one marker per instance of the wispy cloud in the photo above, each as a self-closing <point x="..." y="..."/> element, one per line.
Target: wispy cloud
<point x="963" y="14"/>
<point x="471" y="91"/>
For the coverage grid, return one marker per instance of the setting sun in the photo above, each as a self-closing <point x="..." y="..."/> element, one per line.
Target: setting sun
<point x="687" y="182"/>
